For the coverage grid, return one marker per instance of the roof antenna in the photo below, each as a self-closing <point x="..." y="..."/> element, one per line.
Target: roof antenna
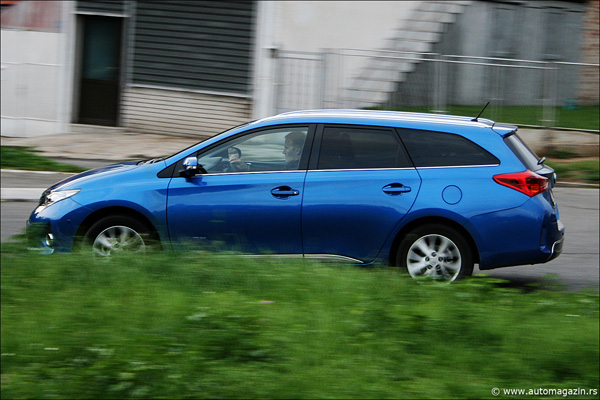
<point x="481" y="112"/>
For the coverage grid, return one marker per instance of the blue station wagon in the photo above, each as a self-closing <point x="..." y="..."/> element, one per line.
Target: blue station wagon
<point x="431" y="194"/>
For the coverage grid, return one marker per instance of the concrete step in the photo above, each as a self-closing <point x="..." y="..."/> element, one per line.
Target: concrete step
<point x="416" y="35"/>
<point x="83" y="128"/>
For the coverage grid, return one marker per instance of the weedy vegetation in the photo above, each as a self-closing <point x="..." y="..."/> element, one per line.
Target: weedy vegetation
<point x="203" y="325"/>
<point x="577" y="170"/>
<point x="27" y="158"/>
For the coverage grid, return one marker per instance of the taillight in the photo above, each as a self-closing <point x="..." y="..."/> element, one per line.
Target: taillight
<point x="526" y="182"/>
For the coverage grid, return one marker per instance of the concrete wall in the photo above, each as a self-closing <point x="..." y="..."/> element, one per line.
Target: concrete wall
<point x="314" y="25"/>
<point x="170" y="111"/>
<point x="588" y="93"/>
<point x="33" y="68"/>
<point x="30" y="83"/>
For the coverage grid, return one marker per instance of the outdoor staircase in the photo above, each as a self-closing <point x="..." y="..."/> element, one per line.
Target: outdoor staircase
<point x="403" y="52"/>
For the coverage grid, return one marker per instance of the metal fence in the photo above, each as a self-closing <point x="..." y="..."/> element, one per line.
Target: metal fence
<point x="358" y="78"/>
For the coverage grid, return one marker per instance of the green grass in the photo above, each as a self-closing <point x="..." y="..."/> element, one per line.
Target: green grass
<point x="14" y="157"/>
<point x="586" y="171"/>
<point x="208" y="326"/>
<point x="584" y="117"/>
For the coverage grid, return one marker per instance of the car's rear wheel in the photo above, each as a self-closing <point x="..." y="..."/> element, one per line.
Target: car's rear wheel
<point x="117" y="234"/>
<point x="435" y="251"/>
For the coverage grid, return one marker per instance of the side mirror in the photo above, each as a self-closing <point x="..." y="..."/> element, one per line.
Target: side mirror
<point x="190" y="167"/>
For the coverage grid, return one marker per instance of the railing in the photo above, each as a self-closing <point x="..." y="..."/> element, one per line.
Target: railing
<point x="524" y="91"/>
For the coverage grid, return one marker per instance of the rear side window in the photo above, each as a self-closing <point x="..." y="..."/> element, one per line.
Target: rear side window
<point x="523" y="152"/>
<point x="437" y="149"/>
<point x="361" y="148"/>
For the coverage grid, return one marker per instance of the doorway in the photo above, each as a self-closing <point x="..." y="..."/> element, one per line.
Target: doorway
<point x="100" y="70"/>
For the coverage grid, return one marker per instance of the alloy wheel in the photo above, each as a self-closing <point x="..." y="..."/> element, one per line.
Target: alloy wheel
<point x="435" y="256"/>
<point x="115" y="239"/>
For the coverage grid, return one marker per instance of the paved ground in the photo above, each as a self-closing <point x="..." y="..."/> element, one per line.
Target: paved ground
<point x="102" y="147"/>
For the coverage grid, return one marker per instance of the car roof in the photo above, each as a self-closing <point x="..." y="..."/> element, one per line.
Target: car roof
<point x="421" y="121"/>
<point x="391" y="118"/>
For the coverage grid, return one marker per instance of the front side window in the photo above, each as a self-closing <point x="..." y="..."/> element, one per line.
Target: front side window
<point x="276" y="149"/>
<point x="438" y="149"/>
<point x="360" y="148"/>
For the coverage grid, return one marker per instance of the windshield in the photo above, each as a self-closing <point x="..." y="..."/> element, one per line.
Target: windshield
<point x="205" y="139"/>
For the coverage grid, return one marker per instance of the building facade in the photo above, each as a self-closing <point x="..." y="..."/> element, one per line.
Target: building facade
<point x="199" y="67"/>
<point x="176" y="67"/>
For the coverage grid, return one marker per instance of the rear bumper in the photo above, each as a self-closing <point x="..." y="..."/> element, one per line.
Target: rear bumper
<point x="529" y="234"/>
<point x="557" y="246"/>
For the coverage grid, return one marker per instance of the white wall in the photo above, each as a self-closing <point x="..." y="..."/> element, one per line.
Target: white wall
<point x="316" y="25"/>
<point x="34" y="79"/>
<point x="30" y="75"/>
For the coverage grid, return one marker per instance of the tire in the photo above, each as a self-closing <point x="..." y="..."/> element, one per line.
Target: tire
<point x="117" y="234"/>
<point x="435" y="251"/>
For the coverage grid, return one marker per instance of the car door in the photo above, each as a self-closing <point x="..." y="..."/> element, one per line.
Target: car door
<point x="359" y="186"/>
<point x="248" y="198"/>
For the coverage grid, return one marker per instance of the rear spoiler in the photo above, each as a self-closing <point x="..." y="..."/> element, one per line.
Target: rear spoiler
<point x="504" y="130"/>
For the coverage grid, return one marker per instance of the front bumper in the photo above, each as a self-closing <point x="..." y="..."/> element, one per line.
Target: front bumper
<point x="40" y="238"/>
<point x="52" y="229"/>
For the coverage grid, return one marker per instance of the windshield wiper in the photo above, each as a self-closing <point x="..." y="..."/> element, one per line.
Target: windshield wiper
<point x="151" y="160"/>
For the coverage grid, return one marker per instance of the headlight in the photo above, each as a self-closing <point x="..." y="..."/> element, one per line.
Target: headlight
<point x="54" y="196"/>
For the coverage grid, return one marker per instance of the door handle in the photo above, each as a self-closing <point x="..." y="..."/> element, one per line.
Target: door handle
<point x="396" y="189"/>
<point x="284" y="192"/>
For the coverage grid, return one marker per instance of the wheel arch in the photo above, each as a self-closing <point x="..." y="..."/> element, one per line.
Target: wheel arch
<point x="432" y="220"/>
<point x="114" y="211"/>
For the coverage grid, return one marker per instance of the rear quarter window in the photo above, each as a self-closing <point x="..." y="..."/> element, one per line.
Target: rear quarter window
<point x="523" y="152"/>
<point x="439" y="149"/>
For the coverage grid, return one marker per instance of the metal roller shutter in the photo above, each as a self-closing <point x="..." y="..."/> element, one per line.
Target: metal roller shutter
<point x="194" y="45"/>
<point x="117" y="7"/>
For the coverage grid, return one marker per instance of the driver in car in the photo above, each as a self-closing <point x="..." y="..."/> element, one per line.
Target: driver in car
<point x="294" y="143"/>
<point x="235" y="160"/>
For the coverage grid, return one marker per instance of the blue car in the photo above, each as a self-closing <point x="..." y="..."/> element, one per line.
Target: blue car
<point x="429" y="193"/>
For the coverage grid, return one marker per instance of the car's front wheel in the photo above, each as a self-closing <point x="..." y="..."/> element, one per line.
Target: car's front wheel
<point x="435" y="251"/>
<point x="116" y="234"/>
